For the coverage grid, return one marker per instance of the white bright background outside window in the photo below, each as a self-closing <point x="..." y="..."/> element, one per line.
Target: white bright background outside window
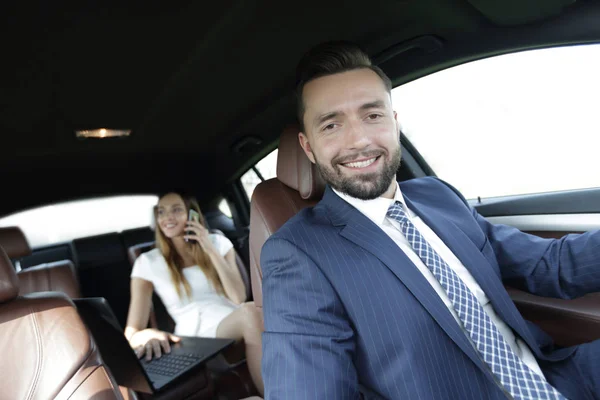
<point x="224" y="207"/>
<point x="514" y="124"/>
<point x="267" y="168"/>
<point x="67" y="221"/>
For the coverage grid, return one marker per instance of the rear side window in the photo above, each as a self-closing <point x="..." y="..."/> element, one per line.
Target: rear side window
<point x="508" y="125"/>
<point x="67" y="221"/>
<point x="266" y="168"/>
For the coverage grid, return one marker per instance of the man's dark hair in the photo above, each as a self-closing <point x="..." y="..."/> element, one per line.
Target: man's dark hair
<point x="331" y="58"/>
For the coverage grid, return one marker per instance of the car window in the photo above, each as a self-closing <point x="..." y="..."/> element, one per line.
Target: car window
<point x="67" y="221"/>
<point x="267" y="168"/>
<point x="512" y="124"/>
<point x="224" y="208"/>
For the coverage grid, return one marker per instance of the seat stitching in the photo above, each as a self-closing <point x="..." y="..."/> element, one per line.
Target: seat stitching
<point x="81" y="369"/>
<point x="40" y="352"/>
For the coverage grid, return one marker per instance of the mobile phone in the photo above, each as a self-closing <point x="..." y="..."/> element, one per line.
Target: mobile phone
<point x="192" y="216"/>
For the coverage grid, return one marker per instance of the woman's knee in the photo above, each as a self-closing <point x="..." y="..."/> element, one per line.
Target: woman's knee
<point x="252" y="316"/>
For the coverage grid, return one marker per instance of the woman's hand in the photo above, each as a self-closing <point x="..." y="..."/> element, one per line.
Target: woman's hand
<point x="197" y="232"/>
<point x="152" y="342"/>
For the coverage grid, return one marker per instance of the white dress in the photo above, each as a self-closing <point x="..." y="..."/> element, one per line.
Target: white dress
<point x="201" y="313"/>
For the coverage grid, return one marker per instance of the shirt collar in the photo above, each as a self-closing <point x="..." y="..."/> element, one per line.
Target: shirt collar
<point x="376" y="209"/>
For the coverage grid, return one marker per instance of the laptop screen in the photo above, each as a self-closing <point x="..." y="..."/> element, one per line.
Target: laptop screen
<point x="114" y="347"/>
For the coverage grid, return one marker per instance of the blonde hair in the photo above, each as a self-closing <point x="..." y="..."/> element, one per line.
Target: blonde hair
<point x="174" y="260"/>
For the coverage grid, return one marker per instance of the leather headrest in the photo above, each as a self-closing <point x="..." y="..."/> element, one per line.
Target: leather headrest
<point x="9" y="283"/>
<point x="295" y="170"/>
<point x="14" y="242"/>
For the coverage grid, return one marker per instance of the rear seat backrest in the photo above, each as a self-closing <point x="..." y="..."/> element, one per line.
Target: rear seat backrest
<point x="14" y="242"/>
<point x="57" y="276"/>
<point x="135" y="236"/>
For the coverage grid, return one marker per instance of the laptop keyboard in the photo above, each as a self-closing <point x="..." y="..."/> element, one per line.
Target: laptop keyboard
<point x="170" y="364"/>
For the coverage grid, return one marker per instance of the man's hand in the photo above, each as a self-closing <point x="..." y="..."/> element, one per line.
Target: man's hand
<point x="152" y="342"/>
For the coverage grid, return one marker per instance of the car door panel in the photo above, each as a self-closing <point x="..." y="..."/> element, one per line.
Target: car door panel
<point x="553" y="215"/>
<point x="582" y="201"/>
<point x="569" y="322"/>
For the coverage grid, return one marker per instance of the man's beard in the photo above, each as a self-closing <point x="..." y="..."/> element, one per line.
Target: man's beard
<point x="367" y="186"/>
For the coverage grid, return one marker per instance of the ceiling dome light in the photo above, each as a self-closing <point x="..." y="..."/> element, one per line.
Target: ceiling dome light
<point x="103" y="133"/>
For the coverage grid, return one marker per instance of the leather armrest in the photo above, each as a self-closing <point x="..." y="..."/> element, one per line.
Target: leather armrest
<point x="569" y="322"/>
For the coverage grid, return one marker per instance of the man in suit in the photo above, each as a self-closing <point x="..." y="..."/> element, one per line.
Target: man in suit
<point x="397" y="290"/>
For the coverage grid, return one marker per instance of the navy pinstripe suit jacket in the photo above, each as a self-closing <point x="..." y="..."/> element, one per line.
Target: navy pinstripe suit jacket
<point x="344" y="307"/>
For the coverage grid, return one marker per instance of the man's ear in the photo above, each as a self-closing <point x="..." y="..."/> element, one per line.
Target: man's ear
<point x="398" y="128"/>
<point x="306" y="146"/>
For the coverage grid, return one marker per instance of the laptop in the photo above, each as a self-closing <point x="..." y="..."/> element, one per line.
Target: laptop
<point x="140" y="375"/>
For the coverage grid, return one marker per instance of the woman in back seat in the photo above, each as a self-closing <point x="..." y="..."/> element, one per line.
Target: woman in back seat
<point x="197" y="278"/>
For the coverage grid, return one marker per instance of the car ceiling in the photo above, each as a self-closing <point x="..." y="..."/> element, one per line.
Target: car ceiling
<point x="206" y="87"/>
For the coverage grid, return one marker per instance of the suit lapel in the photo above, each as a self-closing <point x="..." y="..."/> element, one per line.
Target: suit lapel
<point x="472" y="258"/>
<point x="361" y="231"/>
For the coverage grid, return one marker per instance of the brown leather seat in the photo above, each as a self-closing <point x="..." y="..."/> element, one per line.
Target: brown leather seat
<point x="56" y="276"/>
<point x="14" y="242"/>
<point x="47" y="352"/>
<point x="298" y="185"/>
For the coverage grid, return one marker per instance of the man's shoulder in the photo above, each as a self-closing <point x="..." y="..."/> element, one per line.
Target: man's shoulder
<point x="312" y="220"/>
<point x="305" y="221"/>
<point x="426" y="182"/>
<point x="431" y="188"/>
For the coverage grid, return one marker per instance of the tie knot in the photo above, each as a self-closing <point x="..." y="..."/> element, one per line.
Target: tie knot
<point x="396" y="211"/>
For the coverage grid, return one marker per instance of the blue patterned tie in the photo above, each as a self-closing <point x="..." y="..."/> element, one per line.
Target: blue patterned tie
<point x="516" y="377"/>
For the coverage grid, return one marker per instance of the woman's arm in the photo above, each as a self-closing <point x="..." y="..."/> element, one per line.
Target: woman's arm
<point x="226" y="267"/>
<point x="139" y="306"/>
<point x="228" y="271"/>
<point x="150" y="342"/>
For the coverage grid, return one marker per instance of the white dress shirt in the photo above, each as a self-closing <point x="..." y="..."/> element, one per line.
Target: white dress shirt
<point x="376" y="211"/>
